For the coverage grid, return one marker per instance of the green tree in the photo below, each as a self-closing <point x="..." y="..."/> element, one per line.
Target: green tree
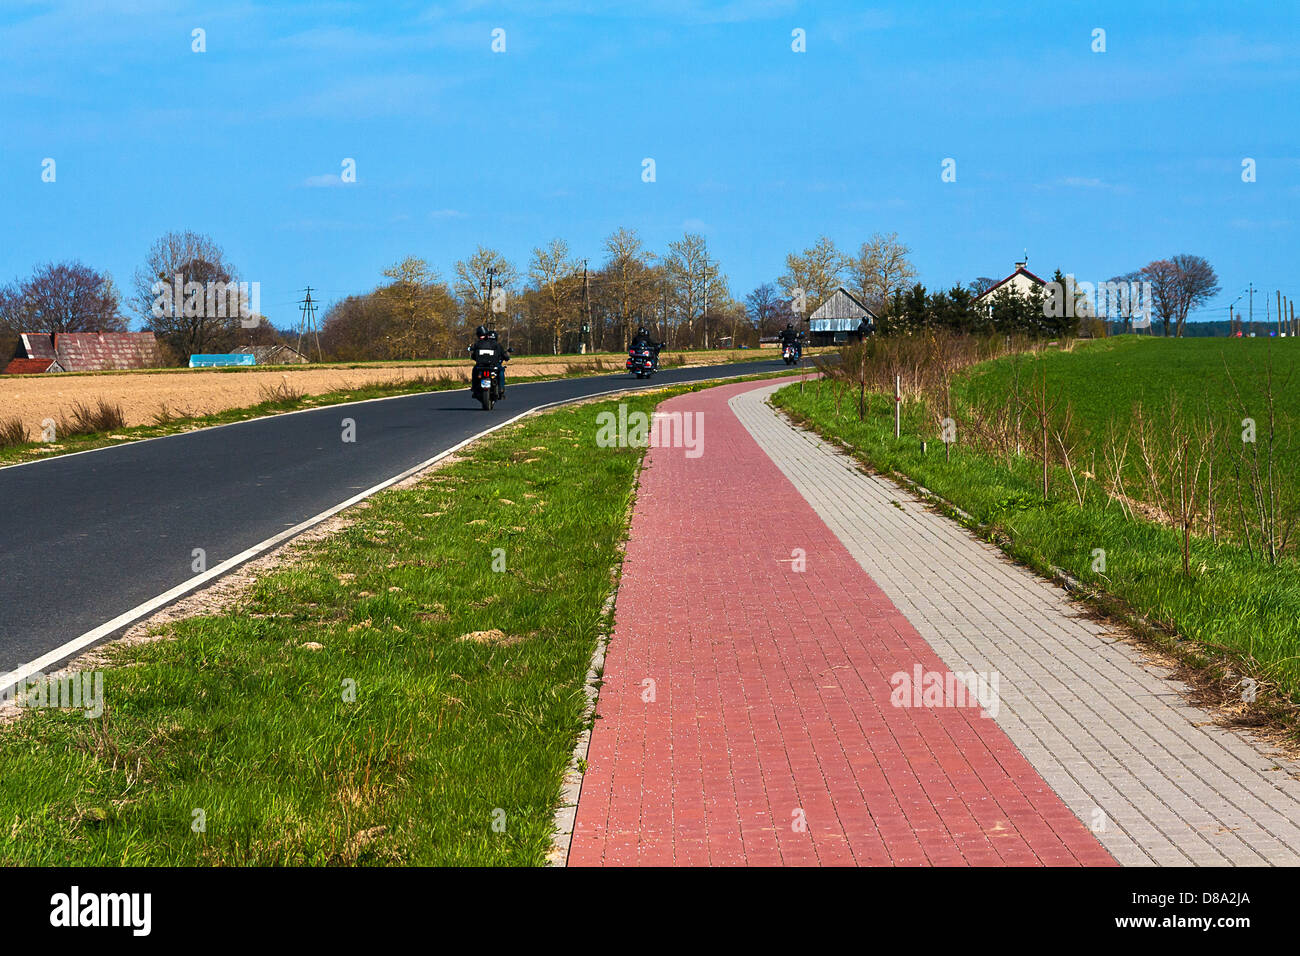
<point x="421" y="308"/>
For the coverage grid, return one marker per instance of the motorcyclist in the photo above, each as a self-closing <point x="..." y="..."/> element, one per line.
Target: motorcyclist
<point x="642" y="340"/>
<point x="487" y="350"/>
<point x="790" y="336"/>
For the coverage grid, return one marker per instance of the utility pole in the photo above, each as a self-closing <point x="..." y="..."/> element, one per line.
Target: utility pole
<point x="491" y="274"/>
<point x="663" y="308"/>
<point x="586" y="307"/>
<point x="307" y="324"/>
<point x="704" y="316"/>
<point x="1252" y="307"/>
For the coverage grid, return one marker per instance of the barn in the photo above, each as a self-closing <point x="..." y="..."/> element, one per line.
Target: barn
<point x="40" y="352"/>
<point x="274" y="354"/>
<point x="841" y="318"/>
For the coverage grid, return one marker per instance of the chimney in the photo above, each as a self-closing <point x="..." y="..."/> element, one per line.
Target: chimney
<point x="1021" y="264"/>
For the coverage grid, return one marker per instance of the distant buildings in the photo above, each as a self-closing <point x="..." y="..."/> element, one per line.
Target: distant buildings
<point x="274" y="354"/>
<point x="40" y="352"/>
<point x="1061" y="299"/>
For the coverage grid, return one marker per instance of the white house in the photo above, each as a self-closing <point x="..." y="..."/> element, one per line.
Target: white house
<point x="1077" y="299"/>
<point x="1021" y="280"/>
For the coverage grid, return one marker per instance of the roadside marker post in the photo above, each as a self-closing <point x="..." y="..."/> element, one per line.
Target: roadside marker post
<point x="898" y="406"/>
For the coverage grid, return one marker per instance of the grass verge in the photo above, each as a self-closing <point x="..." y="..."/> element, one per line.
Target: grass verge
<point x="1231" y="614"/>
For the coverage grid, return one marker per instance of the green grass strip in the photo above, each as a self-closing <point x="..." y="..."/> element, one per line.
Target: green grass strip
<point x="455" y="748"/>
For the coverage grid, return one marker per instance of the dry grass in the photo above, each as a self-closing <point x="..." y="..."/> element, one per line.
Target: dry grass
<point x="83" y="419"/>
<point x="281" y="391"/>
<point x="595" y="364"/>
<point x="13" y="432"/>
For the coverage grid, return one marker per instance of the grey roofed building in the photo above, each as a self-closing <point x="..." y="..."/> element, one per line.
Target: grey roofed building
<point x="841" y="318"/>
<point x="280" y="354"/>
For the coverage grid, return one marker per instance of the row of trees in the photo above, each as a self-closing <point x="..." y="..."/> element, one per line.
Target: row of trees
<point x="1178" y="285"/>
<point x="878" y="271"/>
<point x="558" y="302"/>
<point x="1007" y="311"/>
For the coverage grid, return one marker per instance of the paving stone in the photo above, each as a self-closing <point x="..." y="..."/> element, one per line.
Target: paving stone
<point x="1105" y="728"/>
<point x="746" y="713"/>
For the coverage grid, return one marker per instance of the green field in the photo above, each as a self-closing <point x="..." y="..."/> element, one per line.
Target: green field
<point x="1233" y="606"/>
<point x="1203" y="389"/>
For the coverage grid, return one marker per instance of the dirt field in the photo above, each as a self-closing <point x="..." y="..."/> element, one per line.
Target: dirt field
<point x="187" y="392"/>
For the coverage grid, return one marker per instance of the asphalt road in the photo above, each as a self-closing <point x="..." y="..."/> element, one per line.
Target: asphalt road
<point x="85" y="538"/>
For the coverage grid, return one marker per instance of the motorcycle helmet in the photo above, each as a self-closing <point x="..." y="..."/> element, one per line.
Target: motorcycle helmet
<point x="481" y="331"/>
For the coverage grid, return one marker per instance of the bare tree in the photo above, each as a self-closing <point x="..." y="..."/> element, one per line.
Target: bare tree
<point x="473" y="279"/>
<point x="552" y="271"/>
<point x="193" y="261"/>
<point x="62" y="297"/>
<point x="421" y="310"/>
<point x="816" y="270"/>
<point x="767" y="311"/>
<point x="1178" y="285"/>
<point x="1197" y="283"/>
<point x="689" y="274"/>
<point x="1119" y="301"/>
<point x="880" y="269"/>
<point x="629" y="280"/>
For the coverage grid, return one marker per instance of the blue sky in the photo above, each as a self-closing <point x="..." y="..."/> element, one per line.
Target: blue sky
<point x="1094" y="162"/>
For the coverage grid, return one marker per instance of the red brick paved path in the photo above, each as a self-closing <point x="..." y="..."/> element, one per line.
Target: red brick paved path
<point x="772" y="696"/>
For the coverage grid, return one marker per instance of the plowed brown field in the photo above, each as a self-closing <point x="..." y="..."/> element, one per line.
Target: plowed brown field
<point x="188" y="392"/>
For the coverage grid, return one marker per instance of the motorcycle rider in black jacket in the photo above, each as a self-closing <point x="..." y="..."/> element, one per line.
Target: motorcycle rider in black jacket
<point x="789" y="336"/>
<point x="487" y="350"/>
<point x="642" y="340"/>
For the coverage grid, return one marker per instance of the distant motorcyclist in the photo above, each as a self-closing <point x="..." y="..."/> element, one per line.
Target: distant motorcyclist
<point x="486" y="349"/>
<point x="642" y="340"/>
<point x="792" y="337"/>
<point x="789" y="335"/>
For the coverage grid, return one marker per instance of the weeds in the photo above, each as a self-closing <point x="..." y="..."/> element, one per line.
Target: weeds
<point x="13" y="432"/>
<point x="280" y="393"/>
<point x="83" y="419"/>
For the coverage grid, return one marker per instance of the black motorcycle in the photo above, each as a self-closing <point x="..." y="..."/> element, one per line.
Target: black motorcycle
<point x="642" y="361"/>
<point x="485" y="383"/>
<point x="791" y="353"/>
